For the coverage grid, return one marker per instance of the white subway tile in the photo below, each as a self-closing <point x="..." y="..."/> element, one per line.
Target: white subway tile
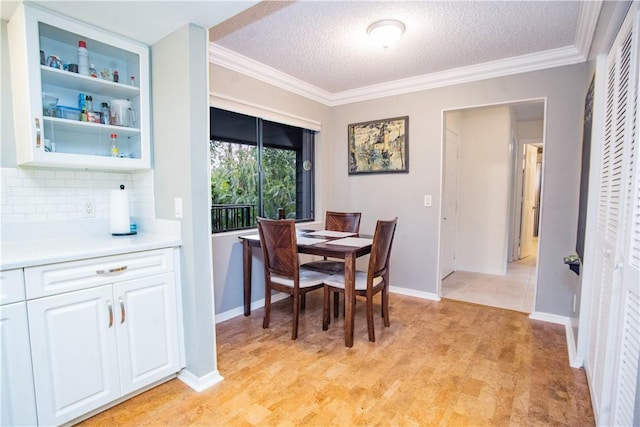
<point x="56" y="199"/>
<point x="57" y="216"/>
<point x="36" y="217"/>
<point x="45" y="208"/>
<point x="13" y="218"/>
<point x="22" y="191"/>
<point x="43" y="173"/>
<point x="35" y="200"/>
<point x="55" y="182"/>
<point x="16" y="200"/>
<point x="13" y="181"/>
<point x="65" y="174"/>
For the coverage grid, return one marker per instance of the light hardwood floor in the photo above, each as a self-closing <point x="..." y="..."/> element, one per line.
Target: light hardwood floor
<point x="444" y="363"/>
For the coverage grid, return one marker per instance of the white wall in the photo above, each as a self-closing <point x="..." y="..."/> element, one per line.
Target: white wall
<point x="483" y="191"/>
<point x="530" y="129"/>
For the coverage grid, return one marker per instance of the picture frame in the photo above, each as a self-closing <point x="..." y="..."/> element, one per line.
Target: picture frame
<point x="379" y="146"/>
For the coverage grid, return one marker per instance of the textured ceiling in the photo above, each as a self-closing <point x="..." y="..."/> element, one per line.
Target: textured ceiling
<point x="325" y="44"/>
<point x="319" y="49"/>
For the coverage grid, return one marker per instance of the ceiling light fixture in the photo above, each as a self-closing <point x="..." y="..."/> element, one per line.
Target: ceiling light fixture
<point x="386" y="32"/>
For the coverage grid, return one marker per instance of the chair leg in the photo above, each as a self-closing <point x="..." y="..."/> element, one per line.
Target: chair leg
<point x="326" y="316"/>
<point x="336" y="303"/>
<point x="267" y="308"/>
<point x="296" y="312"/>
<point x="385" y="306"/>
<point x="372" y="335"/>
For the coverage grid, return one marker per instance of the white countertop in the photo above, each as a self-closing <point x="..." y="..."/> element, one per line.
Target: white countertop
<point x="71" y="242"/>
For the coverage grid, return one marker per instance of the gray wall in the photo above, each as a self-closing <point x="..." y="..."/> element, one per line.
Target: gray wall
<point x="414" y="260"/>
<point x="181" y="151"/>
<point x="415" y="255"/>
<point x="227" y="249"/>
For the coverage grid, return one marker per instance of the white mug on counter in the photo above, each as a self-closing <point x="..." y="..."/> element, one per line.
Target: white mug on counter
<point x="121" y="113"/>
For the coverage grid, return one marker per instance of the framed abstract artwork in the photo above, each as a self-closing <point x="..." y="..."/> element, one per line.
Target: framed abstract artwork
<point x="379" y="146"/>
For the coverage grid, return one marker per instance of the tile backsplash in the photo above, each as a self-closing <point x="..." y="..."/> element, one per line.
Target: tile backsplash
<point x="44" y="195"/>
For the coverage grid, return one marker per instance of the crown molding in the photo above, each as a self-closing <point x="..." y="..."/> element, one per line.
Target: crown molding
<point x="587" y="22"/>
<point x="241" y="64"/>
<point x="569" y="55"/>
<point x="500" y="68"/>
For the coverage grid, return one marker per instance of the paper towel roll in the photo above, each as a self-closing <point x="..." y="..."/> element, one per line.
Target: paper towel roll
<point x="119" y="217"/>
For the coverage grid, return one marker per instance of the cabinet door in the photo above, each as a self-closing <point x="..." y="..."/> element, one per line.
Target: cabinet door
<point x="16" y="380"/>
<point x="147" y="330"/>
<point x="75" y="362"/>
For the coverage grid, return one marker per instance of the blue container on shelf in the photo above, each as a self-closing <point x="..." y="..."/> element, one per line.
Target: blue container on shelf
<point x="69" y="113"/>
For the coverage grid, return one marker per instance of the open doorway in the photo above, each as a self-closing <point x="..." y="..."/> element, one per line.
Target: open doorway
<point x="491" y="184"/>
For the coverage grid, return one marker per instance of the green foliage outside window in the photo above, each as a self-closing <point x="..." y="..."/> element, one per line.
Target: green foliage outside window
<point x="234" y="177"/>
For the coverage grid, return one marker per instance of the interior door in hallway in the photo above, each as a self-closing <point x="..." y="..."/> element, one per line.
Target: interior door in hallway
<point x="449" y="205"/>
<point x="527" y="231"/>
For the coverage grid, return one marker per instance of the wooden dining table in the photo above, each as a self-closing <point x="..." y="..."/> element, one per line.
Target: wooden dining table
<point x="322" y="248"/>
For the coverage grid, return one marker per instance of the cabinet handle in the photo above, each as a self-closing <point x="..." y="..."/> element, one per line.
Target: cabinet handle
<point x="113" y="270"/>
<point x="37" y="120"/>
<point x="110" y="313"/>
<point x="122" y="313"/>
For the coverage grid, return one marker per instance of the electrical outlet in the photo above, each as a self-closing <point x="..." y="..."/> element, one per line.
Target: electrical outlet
<point x="87" y="209"/>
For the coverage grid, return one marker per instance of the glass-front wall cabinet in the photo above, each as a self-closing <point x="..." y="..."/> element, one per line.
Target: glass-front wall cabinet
<point x="81" y="95"/>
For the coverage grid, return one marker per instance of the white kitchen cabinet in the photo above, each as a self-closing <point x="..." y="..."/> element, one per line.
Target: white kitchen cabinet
<point x="75" y="363"/>
<point x="17" y="399"/>
<point x="147" y="330"/>
<point x="94" y="346"/>
<point x="56" y="137"/>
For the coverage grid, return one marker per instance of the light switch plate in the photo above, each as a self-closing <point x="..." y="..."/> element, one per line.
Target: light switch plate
<point x="178" y="206"/>
<point x="427" y="200"/>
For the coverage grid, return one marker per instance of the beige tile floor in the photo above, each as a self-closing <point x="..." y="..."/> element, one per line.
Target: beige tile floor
<point x="513" y="291"/>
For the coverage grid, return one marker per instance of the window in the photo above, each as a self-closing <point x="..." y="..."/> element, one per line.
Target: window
<point x="258" y="168"/>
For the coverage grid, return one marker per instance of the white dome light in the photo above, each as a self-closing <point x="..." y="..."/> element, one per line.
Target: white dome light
<point x="386" y="32"/>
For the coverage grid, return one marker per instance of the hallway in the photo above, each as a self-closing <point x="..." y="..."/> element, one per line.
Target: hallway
<point x="513" y="291"/>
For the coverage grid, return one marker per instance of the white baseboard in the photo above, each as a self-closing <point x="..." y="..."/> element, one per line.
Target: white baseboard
<point x="200" y="383"/>
<point x="574" y="360"/>
<point x="239" y="311"/>
<point x="414" y="293"/>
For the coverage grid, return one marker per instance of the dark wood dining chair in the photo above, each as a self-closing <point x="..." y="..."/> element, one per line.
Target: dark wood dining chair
<point x="281" y="267"/>
<point x="369" y="283"/>
<point x="335" y="221"/>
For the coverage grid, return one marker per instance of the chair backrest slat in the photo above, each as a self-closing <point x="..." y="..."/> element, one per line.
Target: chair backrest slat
<point x="279" y="247"/>
<point x="381" y="248"/>
<point x="342" y="221"/>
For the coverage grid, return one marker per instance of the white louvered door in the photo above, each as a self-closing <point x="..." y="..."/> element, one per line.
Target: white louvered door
<point x="629" y="328"/>
<point x="614" y="328"/>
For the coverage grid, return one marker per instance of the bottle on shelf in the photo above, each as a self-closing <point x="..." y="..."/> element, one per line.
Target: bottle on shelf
<point x="105" y="113"/>
<point x="83" y="58"/>
<point x="116" y="77"/>
<point x="132" y="81"/>
<point x="92" y="71"/>
<point x="88" y="103"/>
<point x="115" y="151"/>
